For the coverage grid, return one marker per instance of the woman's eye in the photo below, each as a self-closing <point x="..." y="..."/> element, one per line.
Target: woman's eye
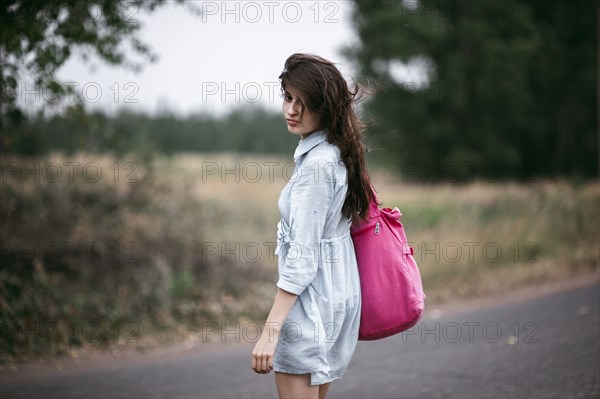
<point x="287" y="97"/>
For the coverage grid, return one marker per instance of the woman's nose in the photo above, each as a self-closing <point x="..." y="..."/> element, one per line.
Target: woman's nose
<point x="293" y="108"/>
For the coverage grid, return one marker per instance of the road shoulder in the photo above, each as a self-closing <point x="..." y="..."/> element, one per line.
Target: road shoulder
<point x="90" y="360"/>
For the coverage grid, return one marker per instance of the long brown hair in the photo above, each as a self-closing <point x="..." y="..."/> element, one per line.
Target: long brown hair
<point x="323" y="91"/>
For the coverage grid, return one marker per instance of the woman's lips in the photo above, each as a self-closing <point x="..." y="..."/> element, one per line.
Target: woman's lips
<point x="292" y="122"/>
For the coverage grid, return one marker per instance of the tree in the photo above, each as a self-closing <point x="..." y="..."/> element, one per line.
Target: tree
<point x="510" y="88"/>
<point x="37" y="37"/>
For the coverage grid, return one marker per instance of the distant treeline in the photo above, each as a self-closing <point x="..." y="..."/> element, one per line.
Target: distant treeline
<point x="256" y="131"/>
<point x="264" y="132"/>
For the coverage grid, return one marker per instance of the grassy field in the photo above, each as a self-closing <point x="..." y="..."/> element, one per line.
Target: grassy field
<point x="111" y="252"/>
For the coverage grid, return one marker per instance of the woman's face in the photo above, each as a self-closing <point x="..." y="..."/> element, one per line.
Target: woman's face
<point x="300" y="121"/>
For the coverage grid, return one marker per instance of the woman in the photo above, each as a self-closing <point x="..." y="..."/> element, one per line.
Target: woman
<point x="312" y="329"/>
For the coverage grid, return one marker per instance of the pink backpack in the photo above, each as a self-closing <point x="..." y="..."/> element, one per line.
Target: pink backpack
<point x="390" y="282"/>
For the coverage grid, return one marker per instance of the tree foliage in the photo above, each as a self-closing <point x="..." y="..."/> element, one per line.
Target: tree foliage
<point x="510" y="88"/>
<point x="37" y="37"/>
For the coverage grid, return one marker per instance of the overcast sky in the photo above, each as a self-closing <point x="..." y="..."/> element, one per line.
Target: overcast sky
<point x="229" y="56"/>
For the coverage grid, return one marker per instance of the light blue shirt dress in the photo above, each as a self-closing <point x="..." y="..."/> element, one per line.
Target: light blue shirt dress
<point x="316" y="261"/>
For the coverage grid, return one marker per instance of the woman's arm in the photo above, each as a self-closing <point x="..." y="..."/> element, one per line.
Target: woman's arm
<point x="262" y="355"/>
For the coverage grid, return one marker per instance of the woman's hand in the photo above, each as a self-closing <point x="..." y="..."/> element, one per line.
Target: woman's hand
<point x="264" y="350"/>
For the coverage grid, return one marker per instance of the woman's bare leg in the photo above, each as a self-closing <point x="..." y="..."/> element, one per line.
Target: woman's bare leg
<point x="323" y="389"/>
<point x="295" y="386"/>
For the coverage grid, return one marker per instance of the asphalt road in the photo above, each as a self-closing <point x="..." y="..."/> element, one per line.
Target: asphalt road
<point x="542" y="347"/>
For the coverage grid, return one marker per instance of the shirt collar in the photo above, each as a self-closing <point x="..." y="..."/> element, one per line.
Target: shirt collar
<point x="306" y="144"/>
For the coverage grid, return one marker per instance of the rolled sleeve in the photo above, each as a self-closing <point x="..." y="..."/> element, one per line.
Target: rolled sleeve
<point x="311" y="198"/>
